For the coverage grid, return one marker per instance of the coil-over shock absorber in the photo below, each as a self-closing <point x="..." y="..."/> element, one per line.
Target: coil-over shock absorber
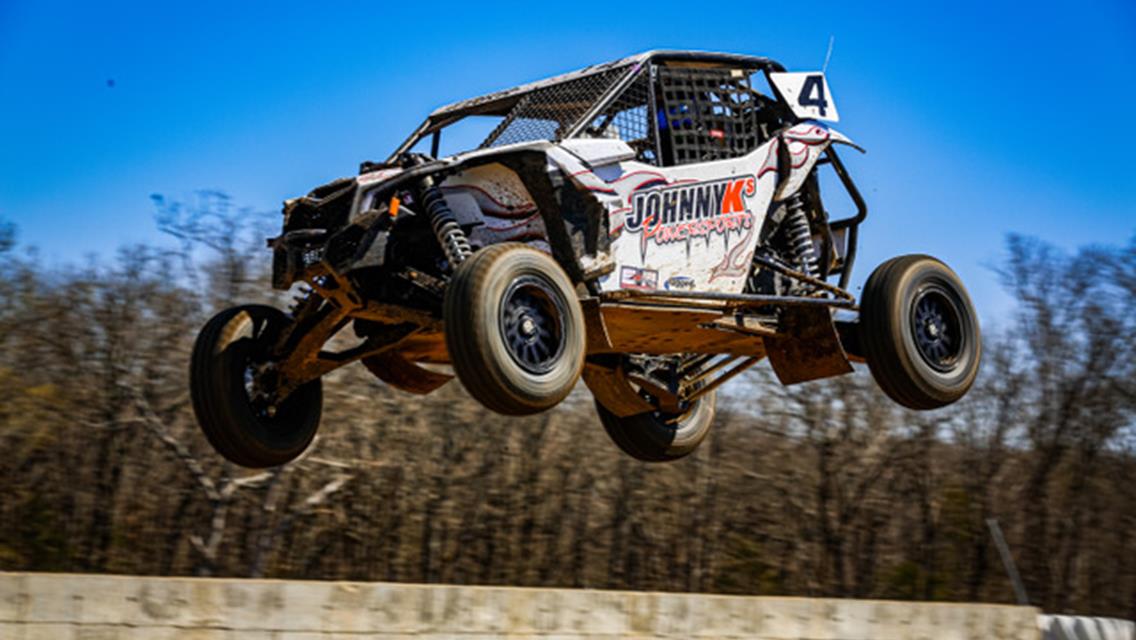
<point x="445" y="224"/>
<point x="800" y="236"/>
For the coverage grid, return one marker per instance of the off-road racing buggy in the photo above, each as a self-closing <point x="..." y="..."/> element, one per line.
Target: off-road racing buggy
<point x="653" y="225"/>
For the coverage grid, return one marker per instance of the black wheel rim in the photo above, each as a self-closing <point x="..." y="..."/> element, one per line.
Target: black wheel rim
<point x="258" y="382"/>
<point x="532" y="324"/>
<point x="257" y="373"/>
<point x="937" y="327"/>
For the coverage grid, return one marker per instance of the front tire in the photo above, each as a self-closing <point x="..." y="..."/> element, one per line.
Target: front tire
<point x="919" y="332"/>
<point x="235" y="418"/>
<point x="514" y="329"/>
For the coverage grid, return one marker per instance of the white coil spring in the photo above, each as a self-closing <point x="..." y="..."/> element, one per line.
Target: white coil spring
<point x="449" y="233"/>
<point x="801" y="237"/>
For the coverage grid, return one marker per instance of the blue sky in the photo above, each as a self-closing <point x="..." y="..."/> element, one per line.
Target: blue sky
<point x="979" y="118"/>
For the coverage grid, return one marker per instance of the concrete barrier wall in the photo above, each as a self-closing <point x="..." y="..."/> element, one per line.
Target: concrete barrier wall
<point x="65" y="607"/>
<point x="1084" y="628"/>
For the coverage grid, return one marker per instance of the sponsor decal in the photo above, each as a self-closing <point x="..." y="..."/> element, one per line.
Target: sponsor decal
<point x="635" y="278"/>
<point x="685" y="211"/>
<point x="679" y="283"/>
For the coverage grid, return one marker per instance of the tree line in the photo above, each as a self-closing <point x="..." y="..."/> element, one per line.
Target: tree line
<point x="821" y="489"/>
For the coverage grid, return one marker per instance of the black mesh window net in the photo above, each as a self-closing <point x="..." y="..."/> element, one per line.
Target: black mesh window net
<point x="688" y="115"/>
<point x="628" y="118"/>
<point x="708" y="114"/>
<point x="550" y="112"/>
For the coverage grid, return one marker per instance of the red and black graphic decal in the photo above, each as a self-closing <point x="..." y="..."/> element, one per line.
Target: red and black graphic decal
<point x="682" y="212"/>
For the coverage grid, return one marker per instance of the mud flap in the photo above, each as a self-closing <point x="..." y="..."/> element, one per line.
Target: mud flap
<point x="400" y="373"/>
<point x="808" y="347"/>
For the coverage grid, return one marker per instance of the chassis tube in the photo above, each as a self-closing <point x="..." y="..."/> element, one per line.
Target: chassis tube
<point x="737" y="299"/>
<point x="853" y="223"/>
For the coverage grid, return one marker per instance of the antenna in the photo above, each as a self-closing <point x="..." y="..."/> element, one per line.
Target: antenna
<point x="827" y="56"/>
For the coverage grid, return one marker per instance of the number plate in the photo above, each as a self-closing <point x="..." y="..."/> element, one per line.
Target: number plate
<point x="807" y="94"/>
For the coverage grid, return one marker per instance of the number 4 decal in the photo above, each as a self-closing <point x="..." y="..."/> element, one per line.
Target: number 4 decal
<point x="807" y="93"/>
<point x="814" y="84"/>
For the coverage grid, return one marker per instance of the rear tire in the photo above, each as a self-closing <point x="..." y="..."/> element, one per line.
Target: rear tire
<point x="514" y="329"/>
<point x="659" y="437"/>
<point x="244" y="430"/>
<point x="919" y="332"/>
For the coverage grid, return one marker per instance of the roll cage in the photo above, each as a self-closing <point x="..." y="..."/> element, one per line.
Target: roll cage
<point x="671" y="107"/>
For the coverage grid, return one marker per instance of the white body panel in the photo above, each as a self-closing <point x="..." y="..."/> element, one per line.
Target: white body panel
<point x="805" y="142"/>
<point x="691" y="227"/>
